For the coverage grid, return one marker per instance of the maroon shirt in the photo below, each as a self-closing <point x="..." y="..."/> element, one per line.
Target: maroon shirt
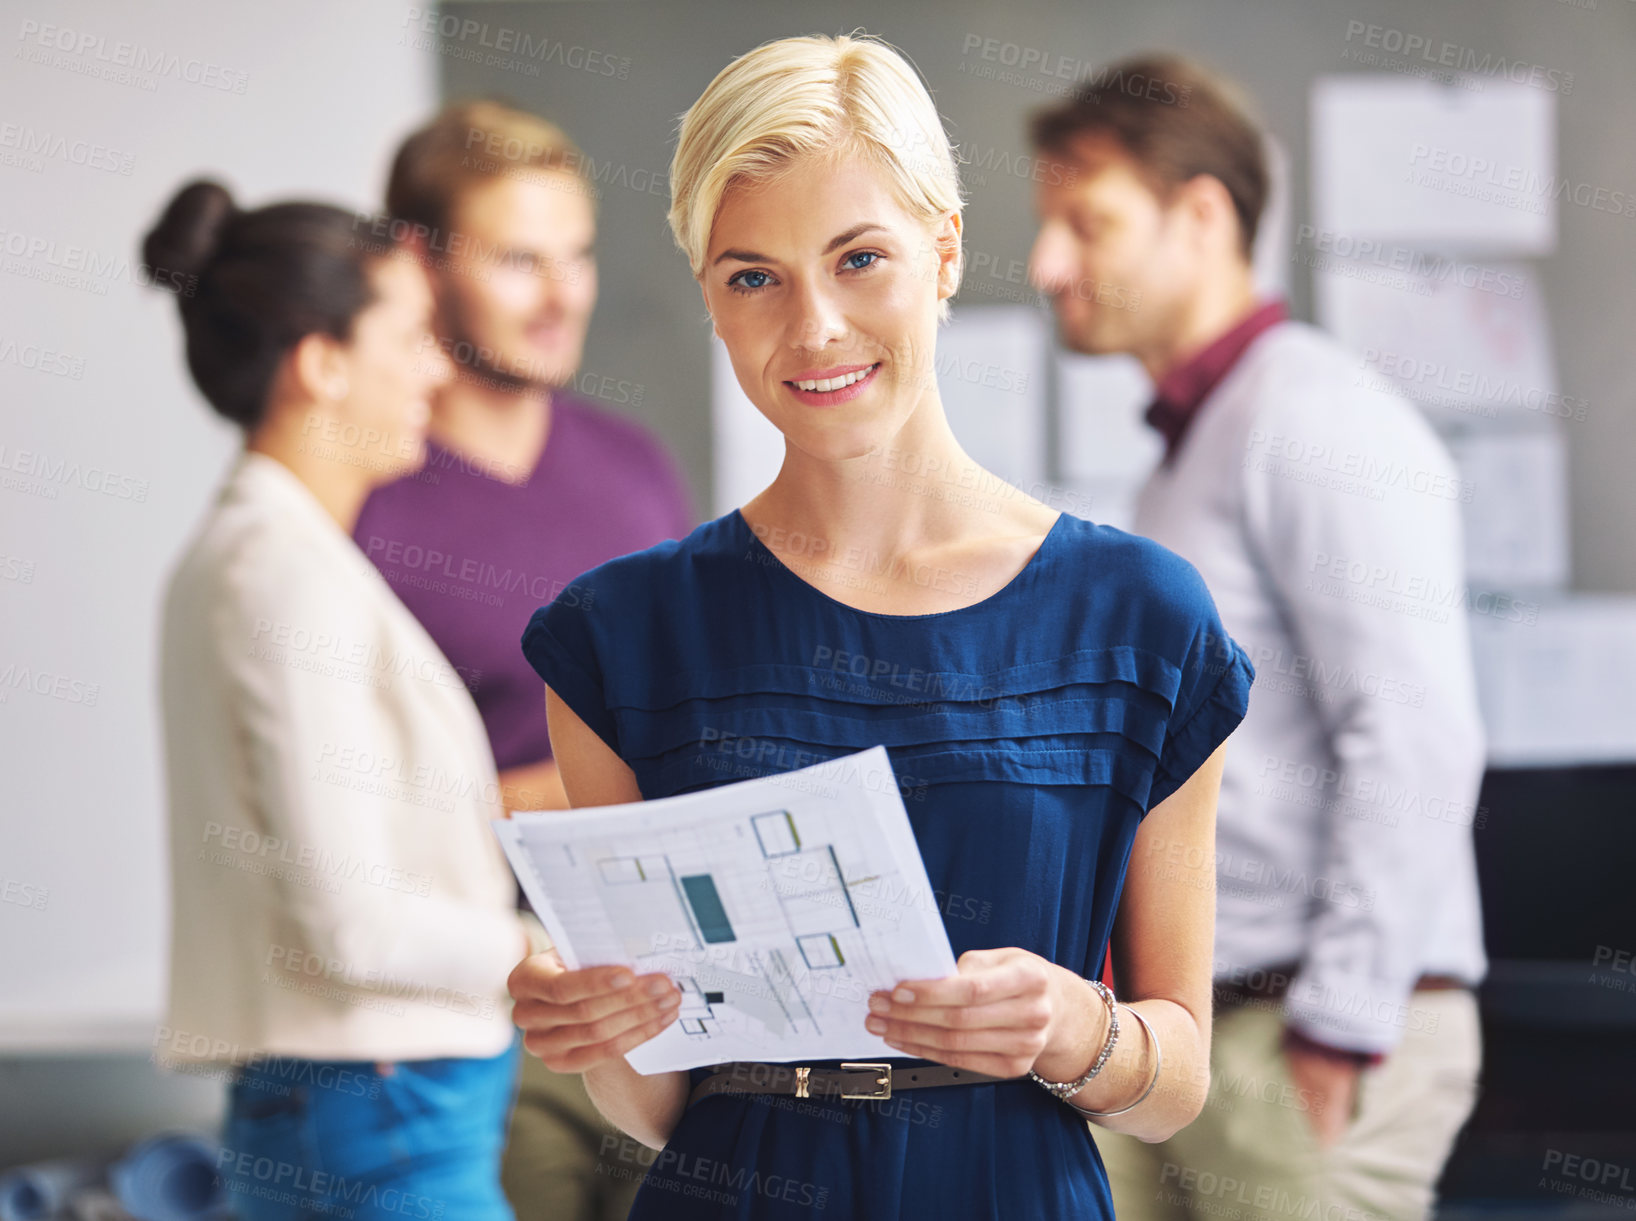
<point x="1183" y="390"/>
<point x="474" y="556"/>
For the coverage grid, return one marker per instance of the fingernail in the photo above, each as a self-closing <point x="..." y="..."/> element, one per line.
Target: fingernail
<point x="879" y="1004"/>
<point x="903" y="996"/>
<point x="658" y="987"/>
<point x="874" y="1025"/>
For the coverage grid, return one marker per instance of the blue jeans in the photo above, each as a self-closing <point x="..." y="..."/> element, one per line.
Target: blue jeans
<point x="339" y="1140"/>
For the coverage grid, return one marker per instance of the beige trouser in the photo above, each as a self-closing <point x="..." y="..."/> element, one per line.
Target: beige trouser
<point x="563" y="1161"/>
<point x="1251" y="1154"/>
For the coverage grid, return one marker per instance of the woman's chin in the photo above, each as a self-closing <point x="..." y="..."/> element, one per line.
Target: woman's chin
<point x="826" y="437"/>
<point x="855" y="444"/>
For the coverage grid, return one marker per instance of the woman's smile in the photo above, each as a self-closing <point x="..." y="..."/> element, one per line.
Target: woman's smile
<point x="829" y="387"/>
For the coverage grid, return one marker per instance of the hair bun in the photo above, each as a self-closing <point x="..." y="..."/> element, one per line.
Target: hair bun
<point x="189" y="232"/>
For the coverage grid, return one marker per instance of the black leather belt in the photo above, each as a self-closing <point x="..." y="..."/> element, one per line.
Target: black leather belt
<point x="870" y="1080"/>
<point x="1272" y="983"/>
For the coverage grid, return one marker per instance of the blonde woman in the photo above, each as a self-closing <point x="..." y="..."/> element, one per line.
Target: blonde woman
<point x="1053" y="695"/>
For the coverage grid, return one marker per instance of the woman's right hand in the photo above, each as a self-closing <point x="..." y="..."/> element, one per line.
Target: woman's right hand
<point x="577" y="1020"/>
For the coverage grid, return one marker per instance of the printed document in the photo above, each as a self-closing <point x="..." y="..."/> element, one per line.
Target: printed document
<point x="777" y="905"/>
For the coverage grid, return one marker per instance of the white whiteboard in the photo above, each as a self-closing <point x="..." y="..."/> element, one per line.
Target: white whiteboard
<point x="327" y="93"/>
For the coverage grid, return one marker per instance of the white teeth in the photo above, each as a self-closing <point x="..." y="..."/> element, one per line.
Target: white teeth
<point x="826" y="384"/>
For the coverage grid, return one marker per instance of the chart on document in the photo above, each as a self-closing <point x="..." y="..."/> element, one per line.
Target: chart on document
<point x="777" y="905"/>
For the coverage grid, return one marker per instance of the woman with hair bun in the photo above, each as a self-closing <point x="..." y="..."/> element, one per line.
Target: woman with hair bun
<point x="342" y="918"/>
<point x="1060" y="763"/>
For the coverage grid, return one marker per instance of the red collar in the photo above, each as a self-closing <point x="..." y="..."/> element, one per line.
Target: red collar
<point x="1181" y="391"/>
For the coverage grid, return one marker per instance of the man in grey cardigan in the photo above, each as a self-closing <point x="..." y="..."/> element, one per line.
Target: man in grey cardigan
<point x="1325" y="518"/>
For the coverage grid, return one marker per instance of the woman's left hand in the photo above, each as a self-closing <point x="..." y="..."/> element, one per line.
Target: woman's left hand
<point x="998" y="1015"/>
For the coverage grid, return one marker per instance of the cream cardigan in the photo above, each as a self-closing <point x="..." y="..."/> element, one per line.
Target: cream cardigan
<point x="337" y="893"/>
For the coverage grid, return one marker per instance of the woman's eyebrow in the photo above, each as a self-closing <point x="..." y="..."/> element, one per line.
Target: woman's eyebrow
<point x="835" y="243"/>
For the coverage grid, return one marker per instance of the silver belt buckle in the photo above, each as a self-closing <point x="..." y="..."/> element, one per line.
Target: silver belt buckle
<point x="883" y="1081"/>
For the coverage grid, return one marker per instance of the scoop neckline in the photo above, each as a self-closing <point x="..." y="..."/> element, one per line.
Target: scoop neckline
<point x="1017" y="579"/>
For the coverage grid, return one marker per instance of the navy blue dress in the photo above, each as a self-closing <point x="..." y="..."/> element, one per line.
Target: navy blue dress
<point x="1029" y="732"/>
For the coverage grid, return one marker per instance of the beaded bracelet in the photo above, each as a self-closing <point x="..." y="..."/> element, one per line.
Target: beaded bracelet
<point x="1063" y="1089"/>
<point x="1158" y="1060"/>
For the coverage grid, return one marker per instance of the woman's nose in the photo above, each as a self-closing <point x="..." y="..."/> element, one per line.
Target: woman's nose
<point x="817" y="321"/>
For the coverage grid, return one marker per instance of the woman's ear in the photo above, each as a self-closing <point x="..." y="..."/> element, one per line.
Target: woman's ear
<point x="950" y="256"/>
<point x="706" y="296"/>
<point x="318" y="369"/>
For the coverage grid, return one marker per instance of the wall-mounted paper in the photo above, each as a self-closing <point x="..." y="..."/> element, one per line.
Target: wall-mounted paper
<point x="1469" y="343"/>
<point x="1103" y="435"/>
<point x="747" y="449"/>
<point x="1105" y="448"/>
<point x="1555" y="678"/>
<point x="991" y="372"/>
<point x="1423" y="163"/>
<point x="1517" y="517"/>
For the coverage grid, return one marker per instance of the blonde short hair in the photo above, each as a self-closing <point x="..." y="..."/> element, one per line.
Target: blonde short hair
<point x="832" y="96"/>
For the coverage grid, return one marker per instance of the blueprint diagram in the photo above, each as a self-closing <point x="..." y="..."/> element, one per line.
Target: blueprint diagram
<point x="777" y="905"/>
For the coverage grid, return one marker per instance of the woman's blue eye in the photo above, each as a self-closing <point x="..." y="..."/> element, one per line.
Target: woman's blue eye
<point x="741" y="281"/>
